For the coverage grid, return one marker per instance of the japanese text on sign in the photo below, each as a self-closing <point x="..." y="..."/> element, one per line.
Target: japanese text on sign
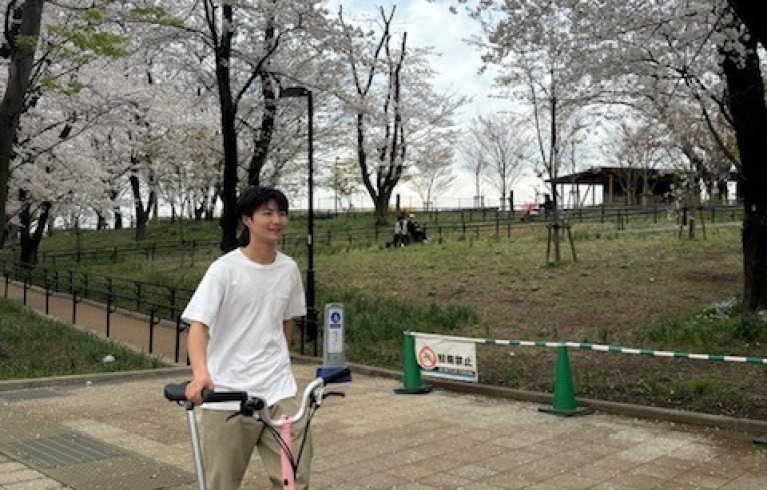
<point x="444" y="358"/>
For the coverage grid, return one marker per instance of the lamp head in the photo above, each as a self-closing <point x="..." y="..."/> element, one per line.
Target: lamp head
<point x="296" y="91"/>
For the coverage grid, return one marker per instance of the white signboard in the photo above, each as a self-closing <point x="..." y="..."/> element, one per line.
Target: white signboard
<point x="445" y="358"/>
<point x="334" y="329"/>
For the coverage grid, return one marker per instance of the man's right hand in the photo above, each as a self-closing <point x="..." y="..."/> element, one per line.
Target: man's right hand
<point x="194" y="389"/>
<point x="197" y="345"/>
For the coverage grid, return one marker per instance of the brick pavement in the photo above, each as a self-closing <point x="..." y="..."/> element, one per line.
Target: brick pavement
<point x="373" y="438"/>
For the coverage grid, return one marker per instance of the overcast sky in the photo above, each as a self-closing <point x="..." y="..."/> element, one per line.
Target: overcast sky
<point x="432" y="24"/>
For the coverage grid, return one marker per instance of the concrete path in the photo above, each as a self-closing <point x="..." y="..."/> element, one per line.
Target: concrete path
<point x="372" y="438"/>
<point x="117" y="431"/>
<point x="129" y="328"/>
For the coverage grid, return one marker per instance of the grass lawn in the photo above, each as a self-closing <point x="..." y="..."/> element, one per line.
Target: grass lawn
<point x="32" y="347"/>
<point x="651" y="290"/>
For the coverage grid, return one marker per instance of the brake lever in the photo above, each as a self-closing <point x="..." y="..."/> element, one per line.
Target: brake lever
<point x="247" y="408"/>
<point x="316" y="399"/>
<point x="333" y="393"/>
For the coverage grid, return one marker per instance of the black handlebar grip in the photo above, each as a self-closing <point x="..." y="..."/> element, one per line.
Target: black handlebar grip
<point x="223" y="396"/>
<point x="176" y="392"/>
<point x="335" y="376"/>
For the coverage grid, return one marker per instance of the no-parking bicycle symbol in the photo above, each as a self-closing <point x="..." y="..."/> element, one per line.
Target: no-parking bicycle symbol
<point x="427" y="358"/>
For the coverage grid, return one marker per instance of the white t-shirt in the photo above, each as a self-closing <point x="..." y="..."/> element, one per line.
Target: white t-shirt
<point x="244" y="305"/>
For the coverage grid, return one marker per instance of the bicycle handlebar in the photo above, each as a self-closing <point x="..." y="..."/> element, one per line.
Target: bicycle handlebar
<point x="313" y="393"/>
<point x="335" y="376"/>
<point x="176" y="392"/>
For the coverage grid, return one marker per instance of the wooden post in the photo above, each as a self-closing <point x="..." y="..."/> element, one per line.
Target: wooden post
<point x="572" y="245"/>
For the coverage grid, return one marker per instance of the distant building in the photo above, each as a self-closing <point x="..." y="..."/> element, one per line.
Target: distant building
<point x="618" y="186"/>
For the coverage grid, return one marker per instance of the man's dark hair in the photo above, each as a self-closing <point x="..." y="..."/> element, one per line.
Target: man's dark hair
<point x="252" y="199"/>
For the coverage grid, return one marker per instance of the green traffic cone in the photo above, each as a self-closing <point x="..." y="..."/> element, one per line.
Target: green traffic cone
<point x="564" y="395"/>
<point x="412" y="382"/>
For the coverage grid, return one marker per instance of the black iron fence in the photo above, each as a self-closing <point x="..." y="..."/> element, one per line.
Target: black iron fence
<point x="439" y="225"/>
<point x="156" y="302"/>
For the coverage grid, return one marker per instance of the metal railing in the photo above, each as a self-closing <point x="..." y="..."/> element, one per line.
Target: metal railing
<point x="440" y="225"/>
<point x="157" y="302"/>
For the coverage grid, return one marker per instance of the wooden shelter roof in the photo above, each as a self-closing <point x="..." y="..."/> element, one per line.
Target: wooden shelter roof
<point x="599" y="175"/>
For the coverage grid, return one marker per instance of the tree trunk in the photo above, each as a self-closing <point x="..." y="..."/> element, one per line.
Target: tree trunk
<point x="101" y="221"/>
<point x="381" y="204"/>
<point x="50" y="229"/>
<point x="722" y="192"/>
<point x="229" y="218"/>
<point x="752" y="13"/>
<point x="142" y="213"/>
<point x="155" y="205"/>
<point x="210" y="210"/>
<point x="113" y="194"/>
<point x="30" y="241"/>
<point x="263" y="137"/>
<point x="19" y="72"/>
<point x="749" y="112"/>
<point x="118" y="219"/>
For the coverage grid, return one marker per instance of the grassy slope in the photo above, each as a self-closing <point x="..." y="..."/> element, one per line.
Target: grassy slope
<point x="639" y="290"/>
<point x="32" y="346"/>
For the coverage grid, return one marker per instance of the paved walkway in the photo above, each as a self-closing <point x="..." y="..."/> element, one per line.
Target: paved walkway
<point x="116" y="431"/>
<point x="124" y="326"/>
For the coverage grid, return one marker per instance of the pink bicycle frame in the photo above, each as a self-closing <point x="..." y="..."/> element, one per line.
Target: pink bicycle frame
<point x="288" y="475"/>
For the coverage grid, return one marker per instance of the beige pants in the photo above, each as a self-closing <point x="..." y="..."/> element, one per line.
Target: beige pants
<point x="227" y="446"/>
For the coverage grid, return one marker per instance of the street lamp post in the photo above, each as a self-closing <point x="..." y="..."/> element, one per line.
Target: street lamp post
<point x="311" y="310"/>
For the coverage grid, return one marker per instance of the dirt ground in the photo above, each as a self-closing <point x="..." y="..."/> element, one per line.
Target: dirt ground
<point x="614" y="289"/>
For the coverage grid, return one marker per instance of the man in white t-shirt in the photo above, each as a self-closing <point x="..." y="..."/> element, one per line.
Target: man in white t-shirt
<point x="241" y="323"/>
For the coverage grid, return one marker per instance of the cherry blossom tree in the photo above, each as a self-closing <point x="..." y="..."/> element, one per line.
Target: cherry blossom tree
<point x="50" y="103"/>
<point x="544" y="63"/>
<point x="433" y="175"/>
<point x="473" y="163"/>
<point x="22" y="21"/>
<point x="193" y="169"/>
<point x="636" y="149"/>
<point x="393" y="104"/>
<point x="41" y="125"/>
<point x="502" y="143"/>
<point x="343" y="180"/>
<point x="705" y="146"/>
<point x="246" y="51"/>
